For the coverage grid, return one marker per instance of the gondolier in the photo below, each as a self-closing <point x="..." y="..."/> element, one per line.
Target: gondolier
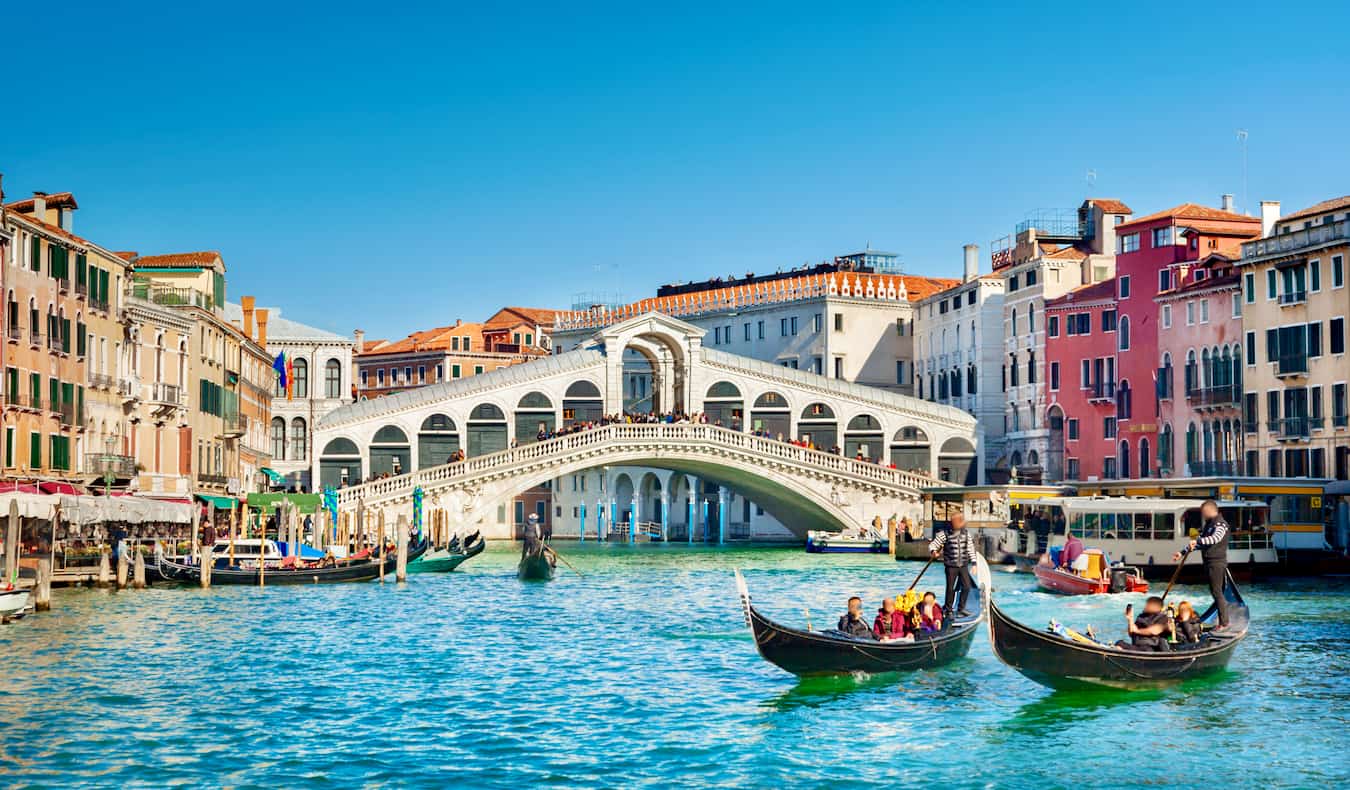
<point x="957" y="549"/>
<point x="1213" y="543"/>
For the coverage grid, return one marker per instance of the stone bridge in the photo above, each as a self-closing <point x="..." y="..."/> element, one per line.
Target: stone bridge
<point x="404" y="440"/>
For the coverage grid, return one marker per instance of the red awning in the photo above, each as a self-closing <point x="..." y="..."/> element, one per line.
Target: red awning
<point x="60" y="488"/>
<point x="13" y="486"/>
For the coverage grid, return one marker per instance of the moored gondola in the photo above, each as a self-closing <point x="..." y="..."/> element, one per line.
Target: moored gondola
<point x="806" y="653"/>
<point x="451" y="557"/>
<point x="353" y="570"/>
<point x="1059" y="662"/>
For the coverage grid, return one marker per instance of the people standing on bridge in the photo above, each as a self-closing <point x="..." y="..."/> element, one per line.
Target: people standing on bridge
<point x="1213" y="543"/>
<point x="957" y="549"/>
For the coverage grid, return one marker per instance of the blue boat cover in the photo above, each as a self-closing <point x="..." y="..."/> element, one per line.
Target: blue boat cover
<point x="306" y="552"/>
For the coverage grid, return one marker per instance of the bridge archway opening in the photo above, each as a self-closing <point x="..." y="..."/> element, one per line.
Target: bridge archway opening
<point x="654" y="356"/>
<point x="649" y="495"/>
<point x="534" y="414"/>
<point x="487" y="430"/>
<point x="339" y="464"/>
<point x="956" y="462"/>
<point x="817" y="426"/>
<point x="390" y="452"/>
<point x="582" y="403"/>
<point x="863" y="437"/>
<point x="640" y="372"/>
<point x="911" y="450"/>
<point x="437" y="441"/>
<point x="725" y="406"/>
<point x="772" y="416"/>
<point x="623" y="498"/>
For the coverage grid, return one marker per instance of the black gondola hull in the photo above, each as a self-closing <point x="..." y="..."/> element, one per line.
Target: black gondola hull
<point x="348" y="572"/>
<point x="535" y="567"/>
<point x="1059" y="663"/>
<point x="811" y="653"/>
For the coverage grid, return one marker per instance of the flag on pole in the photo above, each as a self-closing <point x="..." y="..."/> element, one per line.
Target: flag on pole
<point x="290" y="378"/>
<point x="279" y="365"/>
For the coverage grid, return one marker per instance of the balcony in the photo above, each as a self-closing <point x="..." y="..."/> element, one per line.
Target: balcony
<point x="81" y="289"/>
<point x="129" y="389"/>
<point x="35" y="339"/>
<point x="14" y="333"/>
<point x="63" y="284"/>
<point x="1053" y="223"/>
<point x="1293" y="428"/>
<point x="101" y="381"/>
<point x="170" y="296"/>
<point x="98" y="304"/>
<point x="1295" y="242"/>
<point x="71" y="415"/>
<point x="1292" y="365"/>
<point x="216" y="480"/>
<point x="103" y="464"/>
<point x="234" y="425"/>
<point x="1293" y="298"/>
<point x="1339" y="421"/>
<point x="166" y="394"/>
<point x="1225" y="396"/>
<point x="53" y="343"/>
<point x="1102" y="392"/>
<point x="1214" y="468"/>
<point x="1250" y="426"/>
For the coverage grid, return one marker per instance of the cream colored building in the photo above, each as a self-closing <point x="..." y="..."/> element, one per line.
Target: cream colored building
<point x="1294" y="308"/>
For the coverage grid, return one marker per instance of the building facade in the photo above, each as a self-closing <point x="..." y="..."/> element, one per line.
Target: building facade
<point x="1050" y="253"/>
<point x="151" y="380"/>
<point x="1295" y="303"/>
<point x="958" y="340"/>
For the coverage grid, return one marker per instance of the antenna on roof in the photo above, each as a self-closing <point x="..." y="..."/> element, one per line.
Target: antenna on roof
<point x="1242" y="143"/>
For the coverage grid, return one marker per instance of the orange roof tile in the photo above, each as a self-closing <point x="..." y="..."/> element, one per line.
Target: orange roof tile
<point x="540" y="316"/>
<point x="54" y="200"/>
<point x="1319" y="208"/>
<point x="48" y="227"/>
<point x="1069" y="253"/>
<point x="1192" y="211"/>
<point x="1111" y="205"/>
<point x="1092" y="292"/>
<point x="126" y="255"/>
<point x="202" y="258"/>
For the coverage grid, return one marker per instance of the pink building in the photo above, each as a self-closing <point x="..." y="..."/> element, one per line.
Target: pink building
<point x="1080" y="358"/>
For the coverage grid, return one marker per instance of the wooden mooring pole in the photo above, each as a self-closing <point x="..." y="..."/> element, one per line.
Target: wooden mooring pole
<point x="401" y="570"/>
<point x="42" y="593"/>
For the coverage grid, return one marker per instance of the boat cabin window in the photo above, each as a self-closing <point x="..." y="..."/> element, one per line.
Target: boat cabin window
<point x="1164" y="526"/>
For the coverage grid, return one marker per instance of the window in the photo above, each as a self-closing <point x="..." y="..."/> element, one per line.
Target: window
<point x="1200" y="274"/>
<point x="300" y="371"/>
<point x="298" y="451"/>
<point x="1273" y="408"/>
<point x="817" y="323"/>
<point x="782" y="327"/>
<point x="1013" y="369"/>
<point x="1336" y="330"/>
<point x="1249" y="287"/>
<point x="1084" y="374"/>
<point x="970" y="297"/>
<point x="1031" y="369"/>
<point x="1073" y="428"/>
<point x="477" y="369"/>
<point x="407" y="375"/>
<point x="440" y="370"/>
<point x="1167" y="316"/>
<point x="746" y="330"/>
<point x="899" y="371"/>
<point x="1012" y="284"/>
<point x="1108" y="321"/>
<point x="839" y="367"/>
<point x="1109" y="427"/>
<point x="278" y="439"/>
<point x="1125" y="287"/>
<point x="379" y="377"/>
<point x="332" y="379"/>
<point x="761" y="330"/>
<point x="1204" y="311"/>
<point x="1315" y="405"/>
<point x="792" y="324"/>
<point x="1270" y="284"/>
<point x="421" y="374"/>
<point x="1031" y="280"/>
<point x="1031" y="317"/>
<point x="1128" y="242"/>
<point x="1054" y="375"/>
<point x="1014" y="322"/>
<point x="454" y="343"/>
<point x="1052" y="326"/>
<point x="1314" y="335"/>
<point x="365" y="380"/>
<point x="717" y="336"/>
<point x="1338" y="405"/>
<point x="1337" y="271"/>
<point x="454" y="371"/>
<point x="1251" y="348"/>
<point x="838" y="322"/>
<point x="1237" y="306"/>
<point x="1164" y="280"/>
<point x="1162" y="237"/>
<point x="726" y="333"/>
<point x="1314" y="275"/>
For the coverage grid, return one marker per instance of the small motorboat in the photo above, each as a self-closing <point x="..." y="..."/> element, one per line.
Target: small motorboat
<point x="1061" y="661"/>
<point x="14" y="604"/>
<point x="805" y="653"/>
<point x="846" y="542"/>
<point x="1099" y="577"/>
<point x="449" y="557"/>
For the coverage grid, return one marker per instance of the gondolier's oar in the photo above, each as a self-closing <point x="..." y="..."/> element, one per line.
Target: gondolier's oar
<point x="564" y="561"/>
<point x="1175" y="574"/>
<point x="921" y="573"/>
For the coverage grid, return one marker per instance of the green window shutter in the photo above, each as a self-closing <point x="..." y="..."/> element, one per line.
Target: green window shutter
<point x="218" y="291"/>
<point x="9" y="447"/>
<point x="35" y="388"/>
<point x="12" y="383"/>
<point x="65" y="335"/>
<point x="103" y="286"/>
<point x="93" y="282"/>
<point x="37" y="255"/>
<point x="54" y="391"/>
<point x="35" y="450"/>
<point x="82" y="268"/>
<point x="79" y="405"/>
<point x="80" y="339"/>
<point x="59" y="267"/>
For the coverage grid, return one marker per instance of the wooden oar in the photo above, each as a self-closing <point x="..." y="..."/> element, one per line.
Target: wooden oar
<point x="556" y="555"/>
<point x="920" y="576"/>
<point x="1175" y="574"/>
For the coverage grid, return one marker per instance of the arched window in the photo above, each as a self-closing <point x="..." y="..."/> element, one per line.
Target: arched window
<point x="332" y="379"/>
<point x="298" y="440"/>
<point x="278" y="439"/>
<point x="970" y="380"/>
<point x="1123" y="333"/>
<point x="301" y="373"/>
<point x="1192" y="444"/>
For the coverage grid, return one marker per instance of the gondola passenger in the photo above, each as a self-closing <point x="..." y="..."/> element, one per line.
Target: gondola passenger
<point x="1148" y="631"/>
<point x="928" y="614"/>
<point x="890" y="622"/>
<point x="852" y="623"/>
<point x="1187" y="624"/>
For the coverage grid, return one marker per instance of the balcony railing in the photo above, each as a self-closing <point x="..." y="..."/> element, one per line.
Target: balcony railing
<point x="81" y="288"/>
<point x="168" y="394"/>
<point x="53" y="342"/>
<point x="219" y="480"/>
<point x="1250" y="426"/>
<point x="128" y="388"/>
<point x="103" y="464"/>
<point x="101" y="381"/>
<point x="98" y="304"/>
<point x="35" y="338"/>
<point x="1292" y="365"/>
<point x="70" y="414"/>
<point x="63" y="284"/>
<point x="1293" y="297"/>
<point x="1214" y="468"/>
<point x="14" y="332"/>
<point x="1287" y="243"/>
<point x="170" y="296"/>
<point x="1103" y="391"/>
<point x="1222" y="396"/>
<point x="1294" y="427"/>
<point x="1339" y="421"/>
<point x="234" y="424"/>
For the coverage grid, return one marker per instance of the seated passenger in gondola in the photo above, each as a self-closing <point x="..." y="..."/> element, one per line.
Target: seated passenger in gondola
<point x="1148" y="631"/>
<point x="853" y="623"/>
<point x="928" y="614"/>
<point x="1187" y="624"/>
<point x="890" y="623"/>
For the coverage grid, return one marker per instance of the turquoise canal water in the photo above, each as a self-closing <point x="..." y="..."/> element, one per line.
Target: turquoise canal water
<point x="639" y="673"/>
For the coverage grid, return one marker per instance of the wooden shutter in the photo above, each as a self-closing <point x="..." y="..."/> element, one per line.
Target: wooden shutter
<point x="80" y="339"/>
<point x="1272" y="345"/>
<point x="37" y="257"/>
<point x="65" y="335"/>
<point x="103" y="286"/>
<point x="35" y="450"/>
<point x="79" y="405"/>
<point x="54" y="390"/>
<point x="82" y="268"/>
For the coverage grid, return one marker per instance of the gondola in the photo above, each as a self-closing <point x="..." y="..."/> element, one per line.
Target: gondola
<point x="808" y="653"/>
<point x="451" y="557"/>
<point x="537" y="560"/>
<point x="1058" y="662"/>
<point x="344" y="571"/>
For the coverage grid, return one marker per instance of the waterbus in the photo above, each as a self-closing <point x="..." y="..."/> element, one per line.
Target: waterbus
<point x="990" y="511"/>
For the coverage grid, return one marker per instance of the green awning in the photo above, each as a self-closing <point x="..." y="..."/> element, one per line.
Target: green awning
<point x="307" y="503"/>
<point x="221" y="502"/>
<point x="276" y="477"/>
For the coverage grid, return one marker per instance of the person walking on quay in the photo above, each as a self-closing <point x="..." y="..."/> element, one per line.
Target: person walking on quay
<point x="1213" y="543"/>
<point x="957" y="549"/>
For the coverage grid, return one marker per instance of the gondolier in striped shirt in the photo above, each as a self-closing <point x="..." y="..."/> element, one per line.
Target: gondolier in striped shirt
<point x="1213" y="543"/>
<point x="957" y="549"/>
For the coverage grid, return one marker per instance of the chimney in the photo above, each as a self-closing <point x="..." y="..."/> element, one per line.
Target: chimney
<point x="458" y="322"/>
<point x="1226" y="203"/>
<point x="972" y="262"/>
<point x="1270" y="214"/>
<point x="66" y="219"/>
<point x="40" y="206"/>
<point x="358" y="340"/>
<point x="246" y="302"/>
<point x="262" y="327"/>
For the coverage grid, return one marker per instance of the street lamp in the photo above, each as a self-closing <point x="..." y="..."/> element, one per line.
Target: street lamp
<point x="109" y="466"/>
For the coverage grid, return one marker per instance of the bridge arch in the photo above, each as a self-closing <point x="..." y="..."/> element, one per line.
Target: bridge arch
<point x="487" y="430"/>
<point x="340" y="463"/>
<point x="957" y="462"/>
<point x="863" y="435"/>
<point x="725" y="405"/>
<point x="817" y="426"/>
<point x="624" y="491"/>
<point x="911" y="450"/>
<point x="534" y="413"/>
<point x="772" y="415"/>
<point x="390" y="451"/>
<point x="582" y="403"/>
<point x="437" y="440"/>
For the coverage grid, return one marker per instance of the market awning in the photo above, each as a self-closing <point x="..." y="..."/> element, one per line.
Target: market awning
<point x="305" y="502"/>
<point x="87" y="510"/>
<point x="221" y="502"/>
<point x="273" y="476"/>
<point x="30" y="505"/>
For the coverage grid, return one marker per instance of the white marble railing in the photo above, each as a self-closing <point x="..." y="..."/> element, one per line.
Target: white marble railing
<point x="676" y="436"/>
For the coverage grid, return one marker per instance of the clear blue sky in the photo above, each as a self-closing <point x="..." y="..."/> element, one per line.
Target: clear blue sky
<point x="393" y="166"/>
